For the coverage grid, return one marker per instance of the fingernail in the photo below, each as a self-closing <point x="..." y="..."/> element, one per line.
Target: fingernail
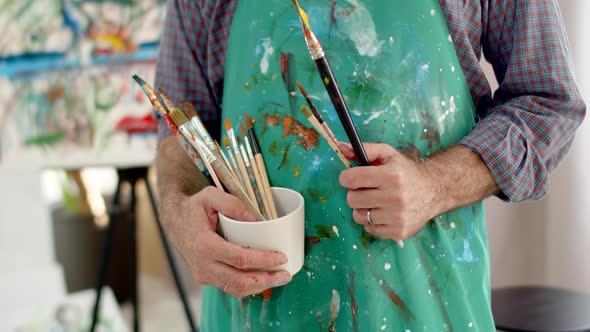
<point x="283" y="259"/>
<point x="281" y="282"/>
<point x="346" y="145"/>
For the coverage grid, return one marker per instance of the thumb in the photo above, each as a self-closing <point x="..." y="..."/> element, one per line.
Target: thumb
<point x="230" y="206"/>
<point x="378" y="153"/>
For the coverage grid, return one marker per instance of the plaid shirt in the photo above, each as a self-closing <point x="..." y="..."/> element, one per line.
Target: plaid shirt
<point x="523" y="131"/>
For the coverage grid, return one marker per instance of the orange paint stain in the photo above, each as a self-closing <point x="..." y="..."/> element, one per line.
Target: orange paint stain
<point x="267" y="294"/>
<point x="307" y="137"/>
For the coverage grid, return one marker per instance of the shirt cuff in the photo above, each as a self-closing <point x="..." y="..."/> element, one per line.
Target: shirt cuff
<point x="514" y="164"/>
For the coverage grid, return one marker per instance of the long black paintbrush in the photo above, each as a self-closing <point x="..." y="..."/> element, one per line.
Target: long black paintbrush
<point x="321" y="62"/>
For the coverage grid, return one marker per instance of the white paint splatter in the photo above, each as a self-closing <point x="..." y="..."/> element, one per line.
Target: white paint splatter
<point x="373" y="116"/>
<point x="380" y="282"/>
<point x="432" y="12"/>
<point x="450" y="38"/>
<point x="385" y="319"/>
<point x="383" y="327"/>
<point x="360" y="28"/>
<point x="453" y="69"/>
<point x="426" y="67"/>
<point x="453" y="225"/>
<point x="408" y="330"/>
<point x="443" y="103"/>
<point x="452" y="105"/>
<point x="470" y="324"/>
<point x="334" y="305"/>
<point x="333" y="267"/>
<point x="335" y="229"/>
<point x="268" y="52"/>
<point x="387" y="266"/>
<point x="354" y="246"/>
<point x="391" y="40"/>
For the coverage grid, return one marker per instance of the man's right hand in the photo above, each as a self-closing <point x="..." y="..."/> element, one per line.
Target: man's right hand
<point x="191" y="223"/>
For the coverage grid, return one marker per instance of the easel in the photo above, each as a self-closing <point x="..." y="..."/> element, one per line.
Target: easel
<point x="132" y="176"/>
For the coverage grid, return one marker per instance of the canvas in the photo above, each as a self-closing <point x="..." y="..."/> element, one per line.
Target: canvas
<point x="66" y="94"/>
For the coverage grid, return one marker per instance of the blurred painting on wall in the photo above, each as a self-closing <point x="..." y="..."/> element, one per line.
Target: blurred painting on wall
<point x="67" y="98"/>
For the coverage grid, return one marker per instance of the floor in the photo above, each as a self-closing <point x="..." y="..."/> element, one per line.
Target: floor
<point x="160" y="306"/>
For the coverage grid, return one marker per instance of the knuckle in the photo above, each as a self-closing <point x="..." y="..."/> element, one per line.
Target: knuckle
<point x="393" y="176"/>
<point x="240" y="261"/>
<point x="343" y="179"/>
<point x="403" y="201"/>
<point x="350" y="198"/>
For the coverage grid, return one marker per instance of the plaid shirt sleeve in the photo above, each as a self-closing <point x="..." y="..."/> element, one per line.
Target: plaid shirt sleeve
<point x="537" y="108"/>
<point x="190" y="64"/>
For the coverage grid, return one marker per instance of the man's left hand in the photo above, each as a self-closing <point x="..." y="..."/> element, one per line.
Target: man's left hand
<point x="400" y="193"/>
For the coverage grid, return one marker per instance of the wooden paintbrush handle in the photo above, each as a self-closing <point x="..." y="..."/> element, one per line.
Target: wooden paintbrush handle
<point x="245" y="177"/>
<point x="336" y="149"/>
<point x="266" y="185"/>
<point x="259" y="190"/>
<point x="233" y="186"/>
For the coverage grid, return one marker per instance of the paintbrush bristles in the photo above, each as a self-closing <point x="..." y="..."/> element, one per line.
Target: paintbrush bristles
<point x="189" y="109"/>
<point x="178" y="117"/>
<point x="167" y="101"/>
<point x="228" y="125"/>
<point x="303" y="92"/>
<point x="243" y="130"/>
<point x="248" y="121"/>
<point x="305" y="110"/>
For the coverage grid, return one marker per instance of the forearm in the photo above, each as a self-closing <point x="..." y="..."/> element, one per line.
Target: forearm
<point x="459" y="177"/>
<point x="177" y="176"/>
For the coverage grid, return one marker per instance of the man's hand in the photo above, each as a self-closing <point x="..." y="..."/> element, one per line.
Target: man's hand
<point x="399" y="192"/>
<point x="213" y="260"/>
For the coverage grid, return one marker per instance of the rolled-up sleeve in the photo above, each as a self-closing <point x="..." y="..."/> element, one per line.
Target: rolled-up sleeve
<point x="537" y="108"/>
<point x="180" y="72"/>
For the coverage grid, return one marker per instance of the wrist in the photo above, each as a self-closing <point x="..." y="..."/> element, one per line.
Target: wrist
<point x="459" y="177"/>
<point x="437" y="192"/>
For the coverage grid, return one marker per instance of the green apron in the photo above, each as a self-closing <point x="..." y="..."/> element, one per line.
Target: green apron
<point x="400" y="75"/>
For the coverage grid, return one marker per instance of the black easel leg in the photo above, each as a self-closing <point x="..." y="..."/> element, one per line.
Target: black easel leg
<point x="171" y="261"/>
<point x="106" y="253"/>
<point x="133" y="257"/>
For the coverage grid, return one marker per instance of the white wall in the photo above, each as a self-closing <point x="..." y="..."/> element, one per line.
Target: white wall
<point x="568" y="231"/>
<point x="547" y="242"/>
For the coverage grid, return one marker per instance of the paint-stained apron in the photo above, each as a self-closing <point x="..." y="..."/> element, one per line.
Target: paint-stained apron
<point x="403" y="83"/>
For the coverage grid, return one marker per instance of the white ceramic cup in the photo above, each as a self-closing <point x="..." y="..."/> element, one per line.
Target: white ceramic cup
<point x="285" y="234"/>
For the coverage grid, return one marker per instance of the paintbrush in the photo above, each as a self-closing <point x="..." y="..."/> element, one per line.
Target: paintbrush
<point x="261" y="167"/>
<point x="232" y="160"/>
<point x="149" y="91"/>
<point x="251" y="175"/>
<point x="185" y="127"/>
<point x="188" y="109"/>
<point x="187" y="147"/>
<point x="321" y="62"/>
<point x="217" y="166"/>
<point x="314" y="121"/>
<point x="316" y="113"/>
<point x="259" y="190"/>
<point x="239" y="160"/>
<point x="231" y="170"/>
